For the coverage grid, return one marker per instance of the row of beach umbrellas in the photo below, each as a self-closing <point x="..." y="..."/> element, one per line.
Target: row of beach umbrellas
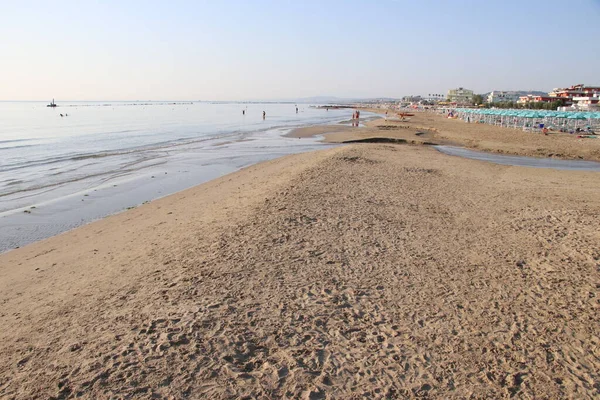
<point x="531" y="119"/>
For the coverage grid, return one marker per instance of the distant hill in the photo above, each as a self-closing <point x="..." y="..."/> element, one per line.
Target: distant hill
<point x="338" y="100"/>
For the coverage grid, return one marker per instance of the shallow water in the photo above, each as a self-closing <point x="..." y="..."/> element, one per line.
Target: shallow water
<point x="520" y="161"/>
<point x="57" y="173"/>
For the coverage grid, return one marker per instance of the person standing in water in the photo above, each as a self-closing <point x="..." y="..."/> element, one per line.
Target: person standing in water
<point x="243" y="112"/>
<point x="296" y="110"/>
<point x="264" y="115"/>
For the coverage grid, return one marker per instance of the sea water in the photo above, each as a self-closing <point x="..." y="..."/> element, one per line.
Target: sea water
<point x="521" y="161"/>
<point x="98" y="158"/>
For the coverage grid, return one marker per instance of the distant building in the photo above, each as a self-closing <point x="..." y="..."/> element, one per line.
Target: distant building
<point x="587" y="103"/>
<point x="412" y="99"/>
<point x="502" y="97"/>
<point x="530" y="98"/>
<point x="460" y="96"/>
<point x="567" y="95"/>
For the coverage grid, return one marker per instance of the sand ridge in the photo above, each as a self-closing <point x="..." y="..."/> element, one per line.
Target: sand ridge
<point x="366" y="270"/>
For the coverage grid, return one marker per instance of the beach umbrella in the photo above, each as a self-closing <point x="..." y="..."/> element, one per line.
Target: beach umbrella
<point x="595" y="121"/>
<point x="576" y="117"/>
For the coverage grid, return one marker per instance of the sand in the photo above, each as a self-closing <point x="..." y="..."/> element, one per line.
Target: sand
<point x="436" y="129"/>
<point x="367" y="270"/>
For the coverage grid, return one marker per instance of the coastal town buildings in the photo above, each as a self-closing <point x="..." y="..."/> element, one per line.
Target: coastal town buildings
<point x="536" y="99"/>
<point x="460" y="96"/>
<point x="567" y="95"/>
<point x="429" y="99"/>
<point x="576" y="97"/>
<point x="497" y="96"/>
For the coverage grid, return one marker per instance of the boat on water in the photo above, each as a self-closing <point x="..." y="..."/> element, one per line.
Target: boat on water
<point x="53" y="104"/>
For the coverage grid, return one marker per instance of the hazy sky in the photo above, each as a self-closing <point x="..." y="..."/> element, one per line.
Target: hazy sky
<point x="259" y="49"/>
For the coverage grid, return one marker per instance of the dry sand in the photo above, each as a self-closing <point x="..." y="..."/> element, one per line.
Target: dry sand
<point x="483" y="137"/>
<point x="379" y="271"/>
<point x="436" y="129"/>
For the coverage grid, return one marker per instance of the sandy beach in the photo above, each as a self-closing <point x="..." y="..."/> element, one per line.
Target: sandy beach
<point x="437" y="129"/>
<point x="239" y="201"/>
<point x="366" y="270"/>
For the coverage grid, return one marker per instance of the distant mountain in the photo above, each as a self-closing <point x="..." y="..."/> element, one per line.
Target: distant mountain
<point x="339" y="100"/>
<point x="315" y="99"/>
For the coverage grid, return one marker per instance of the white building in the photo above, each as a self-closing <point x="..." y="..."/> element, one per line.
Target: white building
<point x="502" y="97"/>
<point x="412" y="99"/>
<point x="587" y="103"/>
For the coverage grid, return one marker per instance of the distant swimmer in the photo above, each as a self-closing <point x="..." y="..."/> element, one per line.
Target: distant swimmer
<point x="61" y="115"/>
<point x="264" y="115"/>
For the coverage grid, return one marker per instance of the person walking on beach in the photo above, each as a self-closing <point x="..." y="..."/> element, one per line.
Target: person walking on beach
<point x="264" y="115"/>
<point x="296" y="110"/>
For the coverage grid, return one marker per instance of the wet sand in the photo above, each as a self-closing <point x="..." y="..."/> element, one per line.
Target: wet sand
<point x="361" y="271"/>
<point x="318" y="130"/>
<point x="378" y="129"/>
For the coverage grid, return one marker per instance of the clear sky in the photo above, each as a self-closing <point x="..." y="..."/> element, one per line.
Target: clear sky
<point x="275" y="49"/>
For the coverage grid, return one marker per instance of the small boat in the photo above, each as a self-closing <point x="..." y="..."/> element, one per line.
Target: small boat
<point x="53" y="104"/>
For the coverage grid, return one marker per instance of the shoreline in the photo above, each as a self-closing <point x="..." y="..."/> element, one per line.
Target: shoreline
<point x="65" y="172"/>
<point x="45" y="218"/>
<point x="317" y="265"/>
